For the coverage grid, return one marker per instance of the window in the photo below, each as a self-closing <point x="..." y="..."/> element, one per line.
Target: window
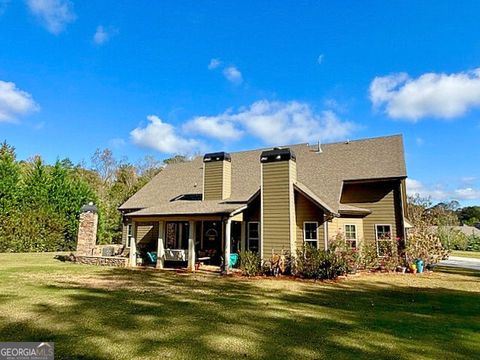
<point x="253" y="235"/>
<point x="129" y="234"/>
<point x="351" y="235"/>
<point x="383" y="235"/>
<point x="310" y="233"/>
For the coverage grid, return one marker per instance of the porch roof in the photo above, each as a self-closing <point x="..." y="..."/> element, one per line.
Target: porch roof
<point x="184" y="207"/>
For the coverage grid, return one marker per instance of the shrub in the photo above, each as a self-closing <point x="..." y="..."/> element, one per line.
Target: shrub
<point x="473" y="243"/>
<point x="425" y="244"/>
<point x="452" y="238"/>
<point x="250" y="263"/>
<point x="390" y="259"/>
<point x="369" y="259"/>
<point x="351" y="256"/>
<point x="312" y="263"/>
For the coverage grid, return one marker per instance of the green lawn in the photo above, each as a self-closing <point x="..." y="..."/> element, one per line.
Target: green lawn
<point x="107" y="313"/>
<point x="469" y="254"/>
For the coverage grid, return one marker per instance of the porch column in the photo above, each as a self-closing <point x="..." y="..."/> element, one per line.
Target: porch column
<point x="133" y="246"/>
<point x="228" y="228"/>
<point x="325" y="231"/>
<point x="191" y="245"/>
<point x="160" y="245"/>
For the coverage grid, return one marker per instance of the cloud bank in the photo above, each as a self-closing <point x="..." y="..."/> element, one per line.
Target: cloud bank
<point x="436" y="95"/>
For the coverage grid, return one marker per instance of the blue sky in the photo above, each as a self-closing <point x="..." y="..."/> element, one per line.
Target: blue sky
<point x="149" y="77"/>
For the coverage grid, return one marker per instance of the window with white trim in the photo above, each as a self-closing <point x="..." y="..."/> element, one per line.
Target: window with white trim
<point x="310" y="233"/>
<point x="253" y="236"/>
<point x="351" y="235"/>
<point x="383" y="236"/>
<point x="129" y="234"/>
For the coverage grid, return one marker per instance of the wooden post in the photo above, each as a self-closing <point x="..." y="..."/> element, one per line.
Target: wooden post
<point x="160" y="245"/>
<point x="191" y="245"/>
<point x="133" y="246"/>
<point x="228" y="228"/>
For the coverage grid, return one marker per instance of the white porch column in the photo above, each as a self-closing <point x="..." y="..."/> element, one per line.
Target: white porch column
<point x="133" y="246"/>
<point x="191" y="245"/>
<point x="325" y="231"/>
<point x="160" y="245"/>
<point x="228" y="231"/>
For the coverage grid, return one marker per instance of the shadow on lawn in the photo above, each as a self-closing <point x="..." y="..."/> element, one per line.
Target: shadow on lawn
<point x="165" y="315"/>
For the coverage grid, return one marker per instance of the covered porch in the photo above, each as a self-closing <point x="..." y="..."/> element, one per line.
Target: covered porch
<point x="166" y="241"/>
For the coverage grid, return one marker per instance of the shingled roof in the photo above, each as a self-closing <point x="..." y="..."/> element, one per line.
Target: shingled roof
<point x="322" y="173"/>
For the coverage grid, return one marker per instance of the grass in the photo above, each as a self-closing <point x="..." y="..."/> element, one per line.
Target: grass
<point x="108" y="313"/>
<point x="468" y="254"/>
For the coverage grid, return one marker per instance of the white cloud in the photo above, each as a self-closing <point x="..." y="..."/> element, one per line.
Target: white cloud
<point x="215" y="127"/>
<point x="440" y="193"/>
<point x="163" y="137"/>
<point x="467" y="194"/>
<point x="54" y="14"/>
<point x="233" y="75"/>
<point x="102" y="34"/>
<point x="434" y="95"/>
<point x="320" y="59"/>
<point x="419" y="141"/>
<point x="214" y="63"/>
<point x="14" y="101"/>
<point x="275" y="123"/>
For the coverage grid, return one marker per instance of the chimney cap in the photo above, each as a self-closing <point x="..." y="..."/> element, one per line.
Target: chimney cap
<point x="217" y="156"/>
<point x="89" y="208"/>
<point x="277" y="154"/>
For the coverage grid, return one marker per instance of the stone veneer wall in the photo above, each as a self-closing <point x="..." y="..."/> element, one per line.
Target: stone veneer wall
<point x="102" y="260"/>
<point x="87" y="233"/>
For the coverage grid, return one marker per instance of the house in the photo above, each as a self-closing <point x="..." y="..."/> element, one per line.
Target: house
<point x="270" y="201"/>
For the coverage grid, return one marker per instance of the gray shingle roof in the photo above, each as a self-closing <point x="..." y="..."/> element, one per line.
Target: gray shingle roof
<point x="323" y="173"/>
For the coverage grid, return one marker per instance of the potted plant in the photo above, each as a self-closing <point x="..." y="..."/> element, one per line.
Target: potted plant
<point x="413" y="268"/>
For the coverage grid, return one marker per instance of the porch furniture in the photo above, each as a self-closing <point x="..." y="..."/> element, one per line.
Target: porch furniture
<point x="152" y="257"/>
<point x="176" y="255"/>
<point x="233" y="260"/>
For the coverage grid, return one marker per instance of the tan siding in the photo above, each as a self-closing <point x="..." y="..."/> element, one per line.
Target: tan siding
<point x="218" y="180"/>
<point x="146" y="232"/>
<point x="213" y="180"/>
<point x="276" y="190"/>
<point x="307" y="211"/>
<point x="227" y="179"/>
<point x="383" y="199"/>
<point x="337" y="226"/>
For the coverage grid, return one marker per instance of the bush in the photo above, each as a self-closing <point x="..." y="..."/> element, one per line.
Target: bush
<point x="452" y="238"/>
<point x="312" y="263"/>
<point x="473" y="243"/>
<point x="425" y="244"/>
<point x="250" y="263"/>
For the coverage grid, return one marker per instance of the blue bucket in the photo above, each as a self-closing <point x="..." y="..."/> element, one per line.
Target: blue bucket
<point x="420" y="264"/>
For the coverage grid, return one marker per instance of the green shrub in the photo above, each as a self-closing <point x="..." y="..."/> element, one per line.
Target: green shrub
<point x="312" y="263"/>
<point x="473" y="243"/>
<point x="250" y="263"/>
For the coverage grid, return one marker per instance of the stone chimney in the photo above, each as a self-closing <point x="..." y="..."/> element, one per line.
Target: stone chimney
<point x="87" y="230"/>
<point x="217" y="176"/>
<point x="279" y="173"/>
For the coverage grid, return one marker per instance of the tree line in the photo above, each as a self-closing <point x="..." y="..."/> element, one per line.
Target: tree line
<point x="40" y="203"/>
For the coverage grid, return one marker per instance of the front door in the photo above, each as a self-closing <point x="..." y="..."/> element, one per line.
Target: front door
<point x="212" y="240"/>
